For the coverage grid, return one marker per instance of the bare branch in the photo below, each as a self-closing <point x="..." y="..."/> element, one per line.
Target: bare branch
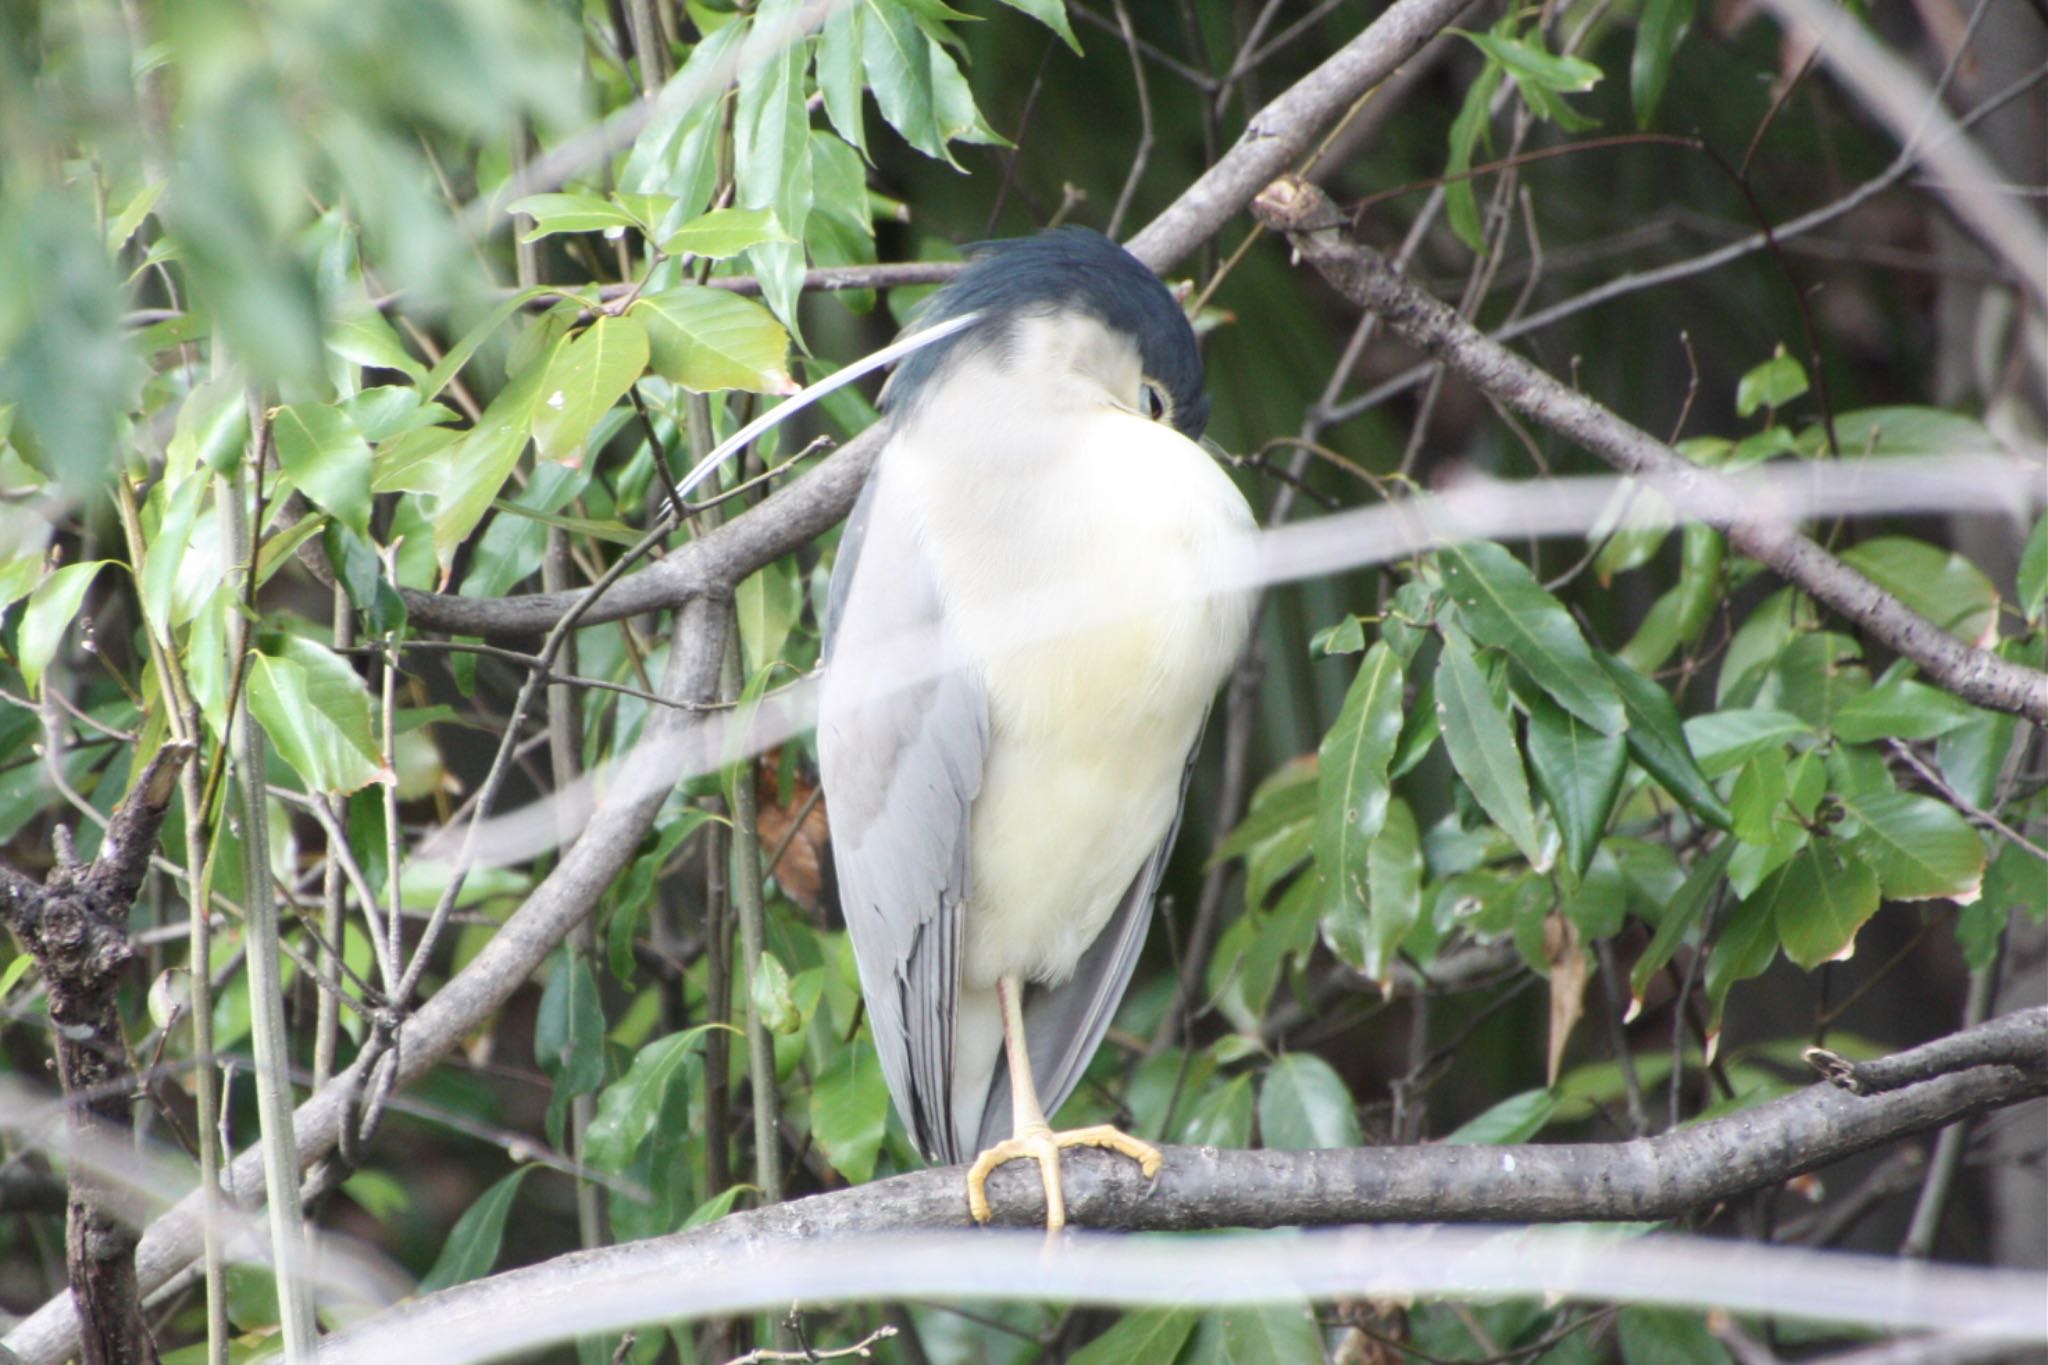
<point x="1363" y="276"/>
<point x="1207" y="1188"/>
<point x="1968" y="181"/>
<point x="1285" y="129"/>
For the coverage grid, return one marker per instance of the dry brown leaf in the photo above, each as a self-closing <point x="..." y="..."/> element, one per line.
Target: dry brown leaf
<point x="1568" y="974"/>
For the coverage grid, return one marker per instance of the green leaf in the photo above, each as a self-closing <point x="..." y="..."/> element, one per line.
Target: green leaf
<point x="1900" y="709"/>
<point x="2033" y="571"/>
<point x="1904" y="431"/>
<point x="1579" y="771"/>
<point x="1972" y="756"/>
<point x="383" y="1196"/>
<point x="1144" y="1336"/>
<point x="1630" y="530"/>
<point x="631" y="1107"/>
<point x="1303" y="1104"/>
<point x="768" y="989"/>
<point x="841" y="82"/>
<point x="1482" y="746"/>
<point x="1221" y="1116"/>
<point x="474" y="1243"/>
<point x="1772" y="384"/>
<point x="1053" y="14"/>
<point x="709" y="339"/>
<point x="1680" y="913"/>
<point x="469" y="475"/>
<point x="163" y="556"/>
<point x="1500" y="603"/>
<point x="1743" y="947"/>
<point x="51" y="610"/>
<point x="459" y="354"/>
<point x="1725" y="740"/>
<point x="1351" y="781"/>
<point x="316" y="710"/>
<point x="368" y="340"/>
<point x="327" y="458"/>
<point x="1941" y="585"/>
<point x="1757" y="644"/>
<point x="1475" y="117"/>
<point x="1679" y="615"/>
<point x="1419" y="732"/>
<point x="1286" y="799"/>
<point x="1345" y="637"/>
<point x="768" y="603"/>
<point x="20" y="967"/>
<point x="1820" y="902"/>
<point x="568" y="1036"/>
<point x="1515" y="1119"/>
<point x="1250" y="956"/>
<point x="1668" y="1336"/>
<point x="585" y="378"/>
<point x="552" y="213"/>
<point x="1817" y="675"/>
<point x="1658" y="35"/>
<point x="1657" y="742"/>
<point x="916" y="83"/>
<point x="1919" y="848"/>
<point x="383" y="411"/>
<point x="66" y="357"/>
<point x="850" y="1111"/>
<point x="1256" y="1336"/>
<point x="772" y="146"/>
<point x="724" y="233"/>
<point x="1761" y="800"/>
<point x="1393" y="882"/>
<point x="1528" y="62"/>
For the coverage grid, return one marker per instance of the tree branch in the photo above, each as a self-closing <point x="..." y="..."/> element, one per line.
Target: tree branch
<point x="1203" y="1188"/>
<point x="792" y="516"/>
<point x="1313" y="226"/>
<point x="76" y="928"/>
<point x="1281" y="133"/>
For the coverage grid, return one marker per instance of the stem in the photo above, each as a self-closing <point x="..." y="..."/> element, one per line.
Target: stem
<point x="182" y="715"/>
<point x="564" y="744"/>
<point x="1948" y="1148"/>
<point x="746" y="895"/>
<point x="327" y="1023"/>
<point x="266" y="962"/>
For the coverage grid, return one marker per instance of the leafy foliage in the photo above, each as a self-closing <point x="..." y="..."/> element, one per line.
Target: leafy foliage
<point x="297" y="329"/>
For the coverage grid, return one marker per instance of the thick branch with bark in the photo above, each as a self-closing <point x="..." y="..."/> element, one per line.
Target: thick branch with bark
<point x="1315" y="229"/>
<point x="75" y="926"/>
<point x="1202" y="1188"/>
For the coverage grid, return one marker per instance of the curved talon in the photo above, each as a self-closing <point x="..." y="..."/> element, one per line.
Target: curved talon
<point x="1039" y="1143"/>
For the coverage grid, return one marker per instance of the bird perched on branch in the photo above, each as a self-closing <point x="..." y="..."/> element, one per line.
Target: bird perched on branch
<point x="1037" y="594"/>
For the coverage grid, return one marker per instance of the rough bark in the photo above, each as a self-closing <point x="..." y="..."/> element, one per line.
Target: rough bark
<point x="1207" y="1188"/>
<point x="75" y="925"/>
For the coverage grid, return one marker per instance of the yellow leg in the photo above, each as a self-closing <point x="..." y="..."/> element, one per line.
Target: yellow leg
<point x="1033" y="1136"/>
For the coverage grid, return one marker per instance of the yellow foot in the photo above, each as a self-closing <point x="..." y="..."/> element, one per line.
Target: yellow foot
<point x="1041" y="1144"/>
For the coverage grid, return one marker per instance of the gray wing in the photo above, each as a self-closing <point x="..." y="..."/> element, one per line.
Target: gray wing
<point x="902" y="733"/>
<point x="1064" y="1026"/>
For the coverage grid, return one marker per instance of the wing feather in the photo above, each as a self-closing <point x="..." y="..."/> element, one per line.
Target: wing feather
<point x="902" y="736"/>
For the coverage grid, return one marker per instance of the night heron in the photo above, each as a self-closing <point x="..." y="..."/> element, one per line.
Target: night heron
<point x="1037" y="595"/>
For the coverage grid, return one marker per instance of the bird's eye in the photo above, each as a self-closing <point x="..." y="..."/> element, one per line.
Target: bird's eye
<point x="1152" y="401"/>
